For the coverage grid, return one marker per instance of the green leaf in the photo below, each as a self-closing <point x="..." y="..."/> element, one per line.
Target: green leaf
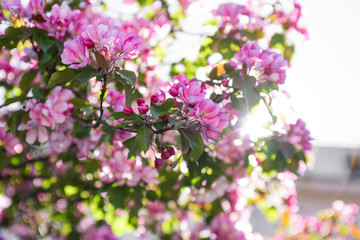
<point x="128" y="94"/>
<point x="190" y="137"/>
<point x="78" y="102"/>
<point x="27" y="79"/>
<point x="175" y="163"/>
<point x="61" y="77"/>
<point x="163" y="109"/>
<point x="80" y="131"/>
<point x="277" y="39"/>
<point x="44" y="42"/>
<point x="21" y="33"/>
<point x="151" y="195"/>
<point x="129" y="143"/>
<point x="129" y="76"/>
<point x="15" y="121"/>
<point x="119" y="115"/>
<point x="20" y="98"/>
<point x="86" y="74"/>
<point x="238" y="81"/>
<point x="37" y="94"/>
<point x="287" y="149"/>
<point x="144" y="138"/>
<point x="133" y="152"/>
<point x="118" y="195"/>
<point x="101" y="140"/>
<point x="198" y="151"/>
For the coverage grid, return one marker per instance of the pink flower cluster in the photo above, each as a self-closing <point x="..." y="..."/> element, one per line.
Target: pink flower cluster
<point x="291" y="20"/>
<point x="102" y="232"/>
<point x="109" y="43"/>
<point x="211" y="116"/>
<point x="335" y="223"/>
<point x="223" y="228"/>
<point x="233" y="17"/>
<point x="11" y="144"/>
<point x="271" y="65"/>
<point x="299" y="135"/>
<point x="122" y="171"/>
<point x="54" y="111"/>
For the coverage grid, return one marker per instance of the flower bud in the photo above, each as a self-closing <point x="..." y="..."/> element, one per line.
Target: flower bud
<point x="140" y="101"/>
<point x="154" y="98"/>
<point x="225" y="82"/>
<point x="143" y="108"/>
<point x="128" y="110"/>
<point x="165" y="118"/>
<point x="165" y="155"/>
<point x="159" y="163"/>
<point x="226" y="96"/>
<point x="173" y="92"/>
<point x="171" y="150"/>
<point x="161" y="148"/>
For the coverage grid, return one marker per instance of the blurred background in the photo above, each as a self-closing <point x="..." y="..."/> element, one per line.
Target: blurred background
<point x="323" y="82"/>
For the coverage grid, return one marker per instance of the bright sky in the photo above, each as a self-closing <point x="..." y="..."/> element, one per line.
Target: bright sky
<point x="324" y="79"/>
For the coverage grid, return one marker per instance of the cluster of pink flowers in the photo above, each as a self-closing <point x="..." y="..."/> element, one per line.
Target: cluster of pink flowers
<point x="111" y="44"/>
<point x="233" y="17"/>
<point x="271" y="65"/>
<point x="11" y="144"/>
<point x="223" y="228"/>
<point x="299" y="135"/>
<point x="228" y="151"/>
<point x="335" y="223"/>
<point x="291" y="20"/>
<point x="122" y="171"/>
<point x="116" y="100"/>
<point x="102" y="232"/>
<point x="212" y="117"/>
<point x="53" y="112"/>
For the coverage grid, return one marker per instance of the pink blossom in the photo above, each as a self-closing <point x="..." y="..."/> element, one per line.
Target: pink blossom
<point x="299" y="135"/>
<point x="129" y="45"/>
<point x="149" y="175"/>
<point x="36" y="6"/>
<point x="160" y="98"/>
<point x="35" y="131"/>
<point x="207" y="112"/>
<point x="191" y="93"/>
<point x="249" y="54"/>
<point x="103" y="232"/>
<point x="116" y="100"/>
<point x="227" y="151"/>
<point x="61" y="139"/>
<point x="87" y="144"/>
<point x="60" y="16"/>
<point x="11" y="144"/>
<point x="229" y="16"/>
<point x="2" y="16"/>
<point x="94" y="35"/>
<point x="58" y="105"/>
<point x="13" y="6"/>
<point x="40" y="113"/>
<point x="223" y="228"/>
<point x="75" y="54"/>
<point x="273" y="66"/>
